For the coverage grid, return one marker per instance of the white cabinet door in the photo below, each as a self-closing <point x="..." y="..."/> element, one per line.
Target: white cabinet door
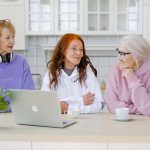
<point x="129" y="16"/>
<point x="11" y="2"/>
<point x="12" y="145"/>
<point x="39" y="17"/>
<point x="129" y="146"/>
<point x="83" y="16"/>
<point x="68" y="146"/>
<point x="146" y="22"/>
<point x="16" y="15"/>
<point x="97" y="16"/>
<point x="68" y="16"/>
<point x="145" y="2"/>
<point x="113" y="17"/>
<point x="54" y="17"/>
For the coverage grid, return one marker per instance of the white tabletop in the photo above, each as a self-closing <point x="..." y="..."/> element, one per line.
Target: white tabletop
<point x="89" y="127"/>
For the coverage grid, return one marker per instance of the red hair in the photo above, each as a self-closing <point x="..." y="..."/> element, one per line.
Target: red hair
<point x="57" y="60"/>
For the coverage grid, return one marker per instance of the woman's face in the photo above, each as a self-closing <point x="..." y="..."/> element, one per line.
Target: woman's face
<point x="125" y="58"/>
<point x="73" y="54"/>
<point x="6" y="41"/>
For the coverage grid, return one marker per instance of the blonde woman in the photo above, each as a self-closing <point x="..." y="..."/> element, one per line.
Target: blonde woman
<point x="14" y="69"/>
<point x="129" y="82"/>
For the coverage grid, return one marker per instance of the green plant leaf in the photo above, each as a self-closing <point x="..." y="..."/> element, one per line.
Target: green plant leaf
<point x="3" y="102"/>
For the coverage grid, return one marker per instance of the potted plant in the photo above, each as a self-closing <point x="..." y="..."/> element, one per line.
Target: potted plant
<point x="3" y="101"/>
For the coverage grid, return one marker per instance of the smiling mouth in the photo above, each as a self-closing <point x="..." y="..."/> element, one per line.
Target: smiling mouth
<point x="10" y="47"/>
<point x="77" y="58"/>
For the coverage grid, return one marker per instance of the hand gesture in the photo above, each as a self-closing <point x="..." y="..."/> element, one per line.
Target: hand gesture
<point x="64" y="106"/>
<point x="88" y="98"/>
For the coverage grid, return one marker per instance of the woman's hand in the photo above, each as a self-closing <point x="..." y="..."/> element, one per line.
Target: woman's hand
<point x="126" y="72"/>
<point x="88" y="98"/>
<point x="64" y="106"/>
<point x="127" y="68"/>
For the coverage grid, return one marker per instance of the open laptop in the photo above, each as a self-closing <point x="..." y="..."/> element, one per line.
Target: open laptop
<point x="35" y="107"/>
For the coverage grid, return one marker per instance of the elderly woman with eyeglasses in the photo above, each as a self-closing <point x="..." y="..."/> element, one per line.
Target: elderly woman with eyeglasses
<point x="14" y="69"/>
<point x="129" y="82"/>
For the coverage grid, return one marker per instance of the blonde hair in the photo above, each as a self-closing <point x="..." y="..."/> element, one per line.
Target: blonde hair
<point x="137" y="46"/>
<point x="8" y="25"/>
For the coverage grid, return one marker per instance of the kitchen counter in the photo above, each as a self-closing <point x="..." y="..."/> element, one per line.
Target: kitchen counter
<point x="89" y="128"/>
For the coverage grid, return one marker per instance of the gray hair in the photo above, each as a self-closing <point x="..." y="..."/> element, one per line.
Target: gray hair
<point x="136" y="45"/>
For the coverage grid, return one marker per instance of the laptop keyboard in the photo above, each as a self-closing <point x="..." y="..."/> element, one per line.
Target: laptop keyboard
<point x="65" y="122"/>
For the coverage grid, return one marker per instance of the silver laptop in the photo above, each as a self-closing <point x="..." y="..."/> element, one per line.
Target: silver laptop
<point x="35" y="107"/>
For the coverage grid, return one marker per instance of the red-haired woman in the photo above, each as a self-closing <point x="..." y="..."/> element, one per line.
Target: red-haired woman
<point x="73" y="76"/>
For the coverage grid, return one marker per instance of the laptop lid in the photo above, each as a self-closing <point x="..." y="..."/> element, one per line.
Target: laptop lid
<point x="35" y="107"/>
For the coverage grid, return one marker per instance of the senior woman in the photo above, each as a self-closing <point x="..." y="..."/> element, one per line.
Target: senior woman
<point x="129" y="82"/>
<point x="72" y="75"/>
<point x="14" y="69"/>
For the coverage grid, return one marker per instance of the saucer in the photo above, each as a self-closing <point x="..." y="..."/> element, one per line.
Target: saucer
<point x="126" y="119"/>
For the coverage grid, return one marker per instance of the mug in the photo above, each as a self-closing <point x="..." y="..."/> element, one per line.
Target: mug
<point x="122" y="113"/>
<point x="73" y="113"/>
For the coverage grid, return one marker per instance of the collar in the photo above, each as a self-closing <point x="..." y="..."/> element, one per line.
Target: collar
<point x="74" y="73"/>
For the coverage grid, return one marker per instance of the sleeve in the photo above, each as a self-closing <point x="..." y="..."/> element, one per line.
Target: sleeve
<point x="141" y="96"/>
<point x="45" y="84"/>
<point x="111" y="93"/>
<point x="93" y="87"/>
<point x="27" y="81"/>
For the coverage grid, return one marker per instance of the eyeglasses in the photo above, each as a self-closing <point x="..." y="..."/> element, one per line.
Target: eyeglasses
<point x="122" y="53"/>
<point x="5" y="21"/>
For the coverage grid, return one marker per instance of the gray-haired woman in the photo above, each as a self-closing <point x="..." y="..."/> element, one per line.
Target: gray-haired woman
<point x="129" y="82"/>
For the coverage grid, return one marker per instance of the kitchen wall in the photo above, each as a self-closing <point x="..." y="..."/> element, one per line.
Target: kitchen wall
<point x="103" y="60"/>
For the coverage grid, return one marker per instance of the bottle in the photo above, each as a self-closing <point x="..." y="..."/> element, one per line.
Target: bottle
<point x="103" y="86"/>
<point x="37" y="81"/>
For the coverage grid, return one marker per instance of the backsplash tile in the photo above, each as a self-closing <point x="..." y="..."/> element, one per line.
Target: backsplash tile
<point x="31" y="51"/>
<point x="32" y="61"/>
<point x="40" y="61"/>
<point x="51" y="40"/>
<point x="32" y="40"/>
<point x="41" y="40"/>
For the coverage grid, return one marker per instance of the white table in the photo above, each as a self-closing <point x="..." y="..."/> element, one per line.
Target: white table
<point x="92" y="131"/>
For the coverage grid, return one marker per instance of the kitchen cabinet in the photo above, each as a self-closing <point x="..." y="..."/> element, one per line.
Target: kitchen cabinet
<point x="14" y="145"/>
<point x="68" y="146"/>
<point x="129" y="16"/>
<point x="146" y="2"/>
<point x="146" y="21"/>
<point x="84" y="17"/>
<point x="16" y="15"/>
<point x="97" y="16"/>
<point x="39" y="17"/>
<point x="113" y="17"/>
<point x="69" y="16"/>
<point x="11" y="2"/>
<point x="128" y="146"/>
<point x="53" y="16"/>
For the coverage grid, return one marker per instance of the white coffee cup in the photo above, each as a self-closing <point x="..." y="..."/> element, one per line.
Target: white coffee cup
<point x="122" y="113"/>
<point x="73" y="113"/>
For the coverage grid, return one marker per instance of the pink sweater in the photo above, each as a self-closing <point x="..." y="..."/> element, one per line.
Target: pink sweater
<point x="133" y="92"/>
